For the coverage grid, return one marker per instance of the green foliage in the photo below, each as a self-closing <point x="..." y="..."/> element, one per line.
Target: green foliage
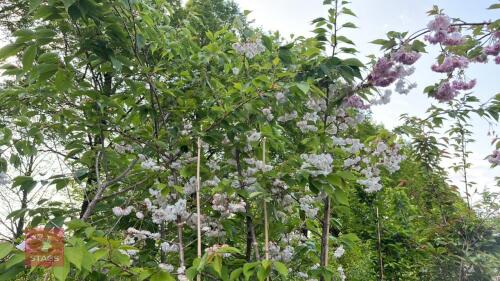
<point x="120" y="92"/>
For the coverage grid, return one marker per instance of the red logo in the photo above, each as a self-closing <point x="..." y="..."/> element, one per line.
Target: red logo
<point x="44" y="247"/>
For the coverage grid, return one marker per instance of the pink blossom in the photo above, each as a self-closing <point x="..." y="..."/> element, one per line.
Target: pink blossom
<point x="383" y="73"/>
<point x="440" y="22"/>
<point x="405" y="57"/>
<point x="356" y="102"/>
<point x="462" y="85"/>
<point x="450" y="63"/>
<point x="445" y="92"/>
<point x="493" y="50"/>
<point x="494" y="158"/>
<point x="454" y="39"/>
<point x="497" y="59"/>
<point x="437" y="37"/>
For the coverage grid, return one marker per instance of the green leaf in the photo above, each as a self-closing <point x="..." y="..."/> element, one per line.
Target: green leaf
<point x="25" y="183"/>
<point x="5" y="249"/>
<point x="261" y="274"/>
<point x="74" y="255"/>
<point x="379" y="42"/>
<point x="344" y="39"/>
<point x="217" y="264"/>
<point x="353" y="62"/>
<point x="29" y="57"/>
<point x="162" y="276"/>
<point x="303" y="86"/>
<point x="61" y="272"/>
<point x="10" y="50"/>
<point x="248" y="269"/>
<point x="494" y="6"/>
<point x="15" y="259"/>
<point x="341" y="196"/>
<point x="281" y="269"/>
<point x="349" y="25"/>
<point x="235" y="274"/>
<point x="348" y="11"/>
<point x="62" y="80"/>
<point x="285" y="55"/>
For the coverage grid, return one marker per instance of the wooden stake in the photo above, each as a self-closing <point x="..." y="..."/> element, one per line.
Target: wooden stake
<point x="266" y="222"/>
<point x="198" y="208"/>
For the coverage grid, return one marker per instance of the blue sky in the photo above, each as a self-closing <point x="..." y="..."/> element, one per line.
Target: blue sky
<point x="375" y="18"/>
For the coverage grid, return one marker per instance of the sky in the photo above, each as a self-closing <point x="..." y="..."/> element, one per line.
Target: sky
<point x="374" y="19"/>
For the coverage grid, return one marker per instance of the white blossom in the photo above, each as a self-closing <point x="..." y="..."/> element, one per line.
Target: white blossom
<point x="339" y="252"/>
<point x="268" y="113"/>
<point x="317" y="164"/>
<point x="166" y="267"/>
<point x="119" y="212"/>
<point x="249" y="49"/>
<point x="254" y="136"/>
<point x="4" y="179"/>
<point x="169" y="248"/>
<point x="306" y="206"/>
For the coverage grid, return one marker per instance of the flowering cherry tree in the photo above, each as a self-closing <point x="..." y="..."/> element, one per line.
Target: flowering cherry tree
<point x="228" y="155"/>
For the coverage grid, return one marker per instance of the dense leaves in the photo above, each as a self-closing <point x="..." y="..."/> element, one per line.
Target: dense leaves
<point x="136" y="113"/>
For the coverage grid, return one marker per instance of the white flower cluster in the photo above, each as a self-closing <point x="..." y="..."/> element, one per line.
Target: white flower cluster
<point x="181" y="274"/>
<point x="317" y="164"/>
<point x="341" y="272"/>
<point x="133" y="234"/>
<point x="268" y="113"/>
<point x="254" y="136"/>
<point x="309" y="119"/>
<point x="170" y="213"/>
<point x="169" y="248"/>
<point x="184" y="159"/>
<point x="4" y="179"/>
<point x="277" y="254"/>
<point x="187" y="127"/>
<point x="221" y="203"/>
<point x="368" y="160"/>
<point x="148" y="164"/>
<point x="278" y="186"/>
<point x="288" y="117"/>
<point x="404" y="87"/>
<point x="166" y="267"/>
<point x="123" y="148"/>
<point x="339" y="252"/>
<point x="190" y="186"/>
<point x="280" y="97"/>
<point x="139" y="215"/>
<point x="119" y="212"/>
<point x="306" y="205"/>
<point x="213" y="229"/>
<point x="249" y="49"/>
<point x="384" y="99"/>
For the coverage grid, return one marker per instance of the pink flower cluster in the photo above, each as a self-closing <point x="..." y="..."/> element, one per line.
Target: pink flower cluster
<point x="445" y="92"/>
<point x="384" y="73"/>
<point x="494" y="158"/>
<point x="448" y="91"/>
<point x="451" y="63"/>
<point x="355" y="101"/>
<point x="462" y="85"/>
<point x="442" y="32"/>
<point x="494" y="48"/>
<point x="406" y="57"/>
